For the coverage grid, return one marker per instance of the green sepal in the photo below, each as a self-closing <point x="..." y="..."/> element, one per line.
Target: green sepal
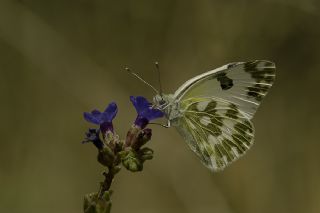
<point x="130" y="160"/>
<point x="92" y="204"/>
<point x="133" y="160"/>
<point x="106" y="156"/>
<point x="145" y="154"/>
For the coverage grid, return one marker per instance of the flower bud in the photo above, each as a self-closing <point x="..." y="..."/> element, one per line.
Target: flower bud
<point x="145" y="154"/>
<point x="143" y="137"/>
<point x="131" y="160"/>
<point x="93" y="136"/>
<point x="132" y="135"/>
<point x="93" y="204"/>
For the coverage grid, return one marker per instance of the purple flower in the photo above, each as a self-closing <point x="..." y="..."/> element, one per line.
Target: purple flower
<point x="93" y="136"/>
<point x="104" y="119"/>
<point x="145" y="111"/>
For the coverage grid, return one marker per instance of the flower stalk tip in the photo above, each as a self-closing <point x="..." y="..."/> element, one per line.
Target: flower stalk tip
<point x="114" y="152"/>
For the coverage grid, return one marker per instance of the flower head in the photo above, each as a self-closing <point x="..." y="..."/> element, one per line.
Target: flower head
<point x="104" y="119"/>
<point x="145" y="111"/>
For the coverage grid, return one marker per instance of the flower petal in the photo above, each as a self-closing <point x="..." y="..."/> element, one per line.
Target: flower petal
<point x="106" y="126"/>
<point x="142" y="122"/>
<point x="92" y="118"/>
<point x="110" y="112"/>
<point x="140" y="103"/>
<point x="95" y="112"/>
<point x="145" y="111"/>
<point x="151" y="113"/>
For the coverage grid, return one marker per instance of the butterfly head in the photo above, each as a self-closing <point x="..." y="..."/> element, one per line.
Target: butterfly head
<point x="160" y="101"/>
<point x="164" y="103"/>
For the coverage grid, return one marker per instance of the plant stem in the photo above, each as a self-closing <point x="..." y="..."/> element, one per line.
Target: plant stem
<point x="105" y="185"/>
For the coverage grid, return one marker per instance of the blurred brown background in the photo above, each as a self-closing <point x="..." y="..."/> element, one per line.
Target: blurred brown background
<point x="61" y="58"/>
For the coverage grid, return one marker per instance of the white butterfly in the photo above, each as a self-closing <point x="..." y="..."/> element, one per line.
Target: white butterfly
<point x="213" y="111"/>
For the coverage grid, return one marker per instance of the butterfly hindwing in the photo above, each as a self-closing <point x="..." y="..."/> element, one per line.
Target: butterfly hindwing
<point x="216" y="130"/>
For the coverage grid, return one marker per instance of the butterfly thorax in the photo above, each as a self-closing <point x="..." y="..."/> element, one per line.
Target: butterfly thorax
<point x="169" y="106"/>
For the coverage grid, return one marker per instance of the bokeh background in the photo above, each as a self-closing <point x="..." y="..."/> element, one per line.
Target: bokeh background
<point x="61" y="58"/>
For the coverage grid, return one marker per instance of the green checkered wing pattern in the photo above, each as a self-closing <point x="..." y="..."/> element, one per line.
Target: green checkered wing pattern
<point x="216" y="108"/>
<point x="216" y="130"/>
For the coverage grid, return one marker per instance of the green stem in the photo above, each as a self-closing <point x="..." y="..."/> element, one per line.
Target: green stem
<point x="106" y="184"/>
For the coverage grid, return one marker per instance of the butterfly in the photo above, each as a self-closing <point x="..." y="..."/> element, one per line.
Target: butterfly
<point x="213" y="111"/>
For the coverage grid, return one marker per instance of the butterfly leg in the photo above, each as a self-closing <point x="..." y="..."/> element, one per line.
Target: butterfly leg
<point x="168" y="124"/>
<point x="163" y="125"/>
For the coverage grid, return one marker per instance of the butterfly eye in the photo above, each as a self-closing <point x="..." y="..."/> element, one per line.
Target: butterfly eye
<point x="159" y="101"/>
<point x="162" y="102"/>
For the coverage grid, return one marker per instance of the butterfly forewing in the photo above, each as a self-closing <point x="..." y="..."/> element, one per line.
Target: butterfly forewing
<point x="216" y="130"/>
<point x="243" y="84"/>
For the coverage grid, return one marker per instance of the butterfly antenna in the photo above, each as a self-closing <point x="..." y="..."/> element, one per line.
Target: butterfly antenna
<point x="159" y="77"/>
<point x="141" y="79"/>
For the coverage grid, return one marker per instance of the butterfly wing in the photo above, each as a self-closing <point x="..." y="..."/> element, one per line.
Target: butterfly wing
<point x="243" y="83"/>
<point x="216" y="130"/>
<point x="216" y="108"/>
